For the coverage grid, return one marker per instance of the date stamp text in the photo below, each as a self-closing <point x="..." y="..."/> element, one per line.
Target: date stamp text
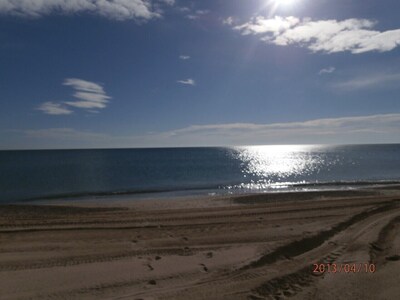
<point x="321" y="268"/>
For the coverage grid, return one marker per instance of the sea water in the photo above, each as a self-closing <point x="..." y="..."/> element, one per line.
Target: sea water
<point x="51" y="174"/>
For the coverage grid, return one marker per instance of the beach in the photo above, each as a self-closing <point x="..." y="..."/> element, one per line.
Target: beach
<point x="261" y="246"/>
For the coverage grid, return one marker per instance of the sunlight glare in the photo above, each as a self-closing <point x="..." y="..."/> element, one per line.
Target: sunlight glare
<point x="264" y="165"/>
<point x="281" y="161"/>
<point x="272" y="6"/>
<point x="285" y="2"/>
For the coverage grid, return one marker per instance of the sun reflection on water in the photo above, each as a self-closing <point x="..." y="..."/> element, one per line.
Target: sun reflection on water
<point x="277" y="166"/>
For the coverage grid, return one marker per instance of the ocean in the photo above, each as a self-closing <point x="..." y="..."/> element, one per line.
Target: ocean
<point x="68" y="174"/>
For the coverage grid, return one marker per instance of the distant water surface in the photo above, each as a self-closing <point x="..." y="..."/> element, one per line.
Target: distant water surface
<point x="29" y="175"/>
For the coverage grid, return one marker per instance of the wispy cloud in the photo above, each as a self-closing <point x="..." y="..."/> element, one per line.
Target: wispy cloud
<point x="357" y="129"/>
<point x="329" y="36"/>
<point x="184" y="57"/>
<point x="84" y="85"/>
<point x="197" y="14"/>
<point x="317" y="126"/>
<point x="202" y="11"/>
<point x="51" y="108"/>
<point x="184" y="9"/>
<point x="370" y="81"/>
<point x="381" y="128"/>
<point x="188" y="81"/>
<point x="168" y="2"/>
<point x="92" y="97"/>
<point x="89" y="95"/>
<point x="62" y="133"/>
<point x="228" y="21"/>
<point x="112" y="9"/>
<point x="328" y="70"/>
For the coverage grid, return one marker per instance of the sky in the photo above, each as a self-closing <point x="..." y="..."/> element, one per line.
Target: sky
<point x="178" y="73"/>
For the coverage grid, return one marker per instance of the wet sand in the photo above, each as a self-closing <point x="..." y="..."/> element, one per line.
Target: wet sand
<point x="245" y="247"/>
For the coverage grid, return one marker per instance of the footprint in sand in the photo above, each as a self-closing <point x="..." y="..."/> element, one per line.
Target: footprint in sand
<point x="186" y="251"/>
<point x="204" y="268"/>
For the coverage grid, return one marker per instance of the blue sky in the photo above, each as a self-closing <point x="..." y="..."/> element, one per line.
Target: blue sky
<point x="162" y="73"/>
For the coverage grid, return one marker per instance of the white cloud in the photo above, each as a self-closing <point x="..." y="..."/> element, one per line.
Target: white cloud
<point x="188" y="81"/>
<point x="83" y="85"/>
<point x="198" y="13"/>
<point x="86" y="104"/>
<point x="52" y="108"/>
<point x="328" y="70"/>
<point x="228" y="21"/>
<point x="260" y="25"/>
<point x="329" y="36"/>
<point x="370" y="81"/>
<point x="93" y="97"/>
<point x="112" y="9"/>
<point x="90" y="96"/>
<point x="184" y="57"/>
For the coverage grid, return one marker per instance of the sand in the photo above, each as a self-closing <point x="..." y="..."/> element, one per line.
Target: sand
<point x="247" y="247"/>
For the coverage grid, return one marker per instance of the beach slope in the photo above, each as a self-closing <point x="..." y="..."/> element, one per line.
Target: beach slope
<point x="247" y="247"/>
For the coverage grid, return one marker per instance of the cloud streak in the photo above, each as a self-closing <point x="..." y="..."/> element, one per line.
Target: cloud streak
<point x="328" y="36"/>
<point x="188" y="81"/>
<point x="356" y="129"/>
<point x="370" y="81"/>
<point x="111" y="9"/>
<point x="51" y="108"/>
<point x="317" y="125"/>
<point x="328" y="70"/>
<point x="90" y="96"/>
<point x="381" y="128"/>
<point x="197" y="14"/>
<point x="83" y="85"/>
<point x="228" y="21"/>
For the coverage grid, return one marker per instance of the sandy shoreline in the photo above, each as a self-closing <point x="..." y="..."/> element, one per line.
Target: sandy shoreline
<point x="243" y="247"/>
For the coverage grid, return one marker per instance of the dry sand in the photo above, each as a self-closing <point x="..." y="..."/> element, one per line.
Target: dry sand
<point x="248" y="247"/>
